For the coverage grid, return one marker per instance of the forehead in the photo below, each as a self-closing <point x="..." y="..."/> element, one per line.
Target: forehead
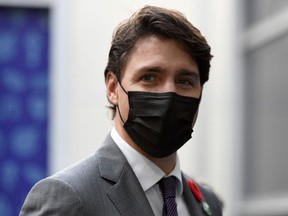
<point x="157" y="40"/>
<point x="158" y="52"/>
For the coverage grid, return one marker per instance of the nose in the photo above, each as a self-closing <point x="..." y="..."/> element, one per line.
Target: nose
<point x="169" y="86"/>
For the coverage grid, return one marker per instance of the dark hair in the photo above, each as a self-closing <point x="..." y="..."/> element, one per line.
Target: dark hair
<point x="165" y="23"/>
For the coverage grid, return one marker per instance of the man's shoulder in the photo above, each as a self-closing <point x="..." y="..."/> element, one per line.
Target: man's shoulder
<point x="66" y="192"/>
<point x="88" y="168"/>
<point x="81" y="184"/>
<point x="78" y="170"/>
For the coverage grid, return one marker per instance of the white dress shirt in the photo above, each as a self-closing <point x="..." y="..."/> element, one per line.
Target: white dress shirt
<point x="149" y="174"/>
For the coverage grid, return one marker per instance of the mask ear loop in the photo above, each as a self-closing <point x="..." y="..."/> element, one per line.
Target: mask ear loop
<point x="122" y="87"/>
<point x="117" y="107"/>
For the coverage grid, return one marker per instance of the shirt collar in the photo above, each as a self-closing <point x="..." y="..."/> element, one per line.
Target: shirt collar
<point x="139" y="162"/>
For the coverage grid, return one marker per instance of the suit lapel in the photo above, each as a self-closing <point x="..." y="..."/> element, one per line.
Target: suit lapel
<point x="195" y="208"/>
<point x="126" y="193"/>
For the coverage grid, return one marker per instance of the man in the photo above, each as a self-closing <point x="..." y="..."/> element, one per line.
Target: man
<point x="157" y="65"/>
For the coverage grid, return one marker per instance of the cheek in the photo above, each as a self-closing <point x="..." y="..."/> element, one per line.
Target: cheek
<point x="195" y="117"/>
<point x="123" y="105"/>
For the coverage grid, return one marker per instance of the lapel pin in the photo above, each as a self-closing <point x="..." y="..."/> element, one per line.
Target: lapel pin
<point x="198" y="195"/>
<point x="195" y="190"/>
<point x="206" y="208"/>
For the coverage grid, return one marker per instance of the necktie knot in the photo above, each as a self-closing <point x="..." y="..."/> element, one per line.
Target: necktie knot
<point x="168" y="188"/>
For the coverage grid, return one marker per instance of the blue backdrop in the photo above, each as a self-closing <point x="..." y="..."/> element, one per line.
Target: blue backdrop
<point x="24" y="43"/>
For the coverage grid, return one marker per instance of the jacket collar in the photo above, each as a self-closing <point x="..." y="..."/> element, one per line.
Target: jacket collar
<point x="125" y="192"/>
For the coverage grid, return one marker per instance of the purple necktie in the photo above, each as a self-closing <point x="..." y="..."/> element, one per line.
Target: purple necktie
<point x="168" y="188"/>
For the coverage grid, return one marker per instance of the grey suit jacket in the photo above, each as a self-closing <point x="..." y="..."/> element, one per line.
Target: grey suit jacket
<point x="102" y="184"/>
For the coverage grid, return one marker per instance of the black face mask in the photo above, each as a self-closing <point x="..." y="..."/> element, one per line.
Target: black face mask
<point x="160" y="123"/>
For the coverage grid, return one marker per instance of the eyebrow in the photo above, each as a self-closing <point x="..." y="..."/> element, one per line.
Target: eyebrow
<point x="151" y="69"/>
<point x="188" y="73"/>
<point x="158" y="69"/>
<point x="180" y="72"/>
<point x="185" y="72"/>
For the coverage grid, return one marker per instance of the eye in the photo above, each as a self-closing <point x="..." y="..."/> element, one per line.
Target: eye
<point x="148" y="78"/>
<point x="186" y="82"/>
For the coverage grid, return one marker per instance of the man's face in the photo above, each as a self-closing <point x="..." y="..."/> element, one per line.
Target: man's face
<point x="155" y="65"/>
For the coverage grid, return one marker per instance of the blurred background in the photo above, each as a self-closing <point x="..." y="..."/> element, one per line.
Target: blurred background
<point x="53" y="102"/>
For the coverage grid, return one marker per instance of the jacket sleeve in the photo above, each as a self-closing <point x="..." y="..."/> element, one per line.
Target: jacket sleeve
<point x="52" y="196"/>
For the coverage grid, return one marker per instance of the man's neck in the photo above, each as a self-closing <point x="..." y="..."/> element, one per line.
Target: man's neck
<point x="166" y="164"/>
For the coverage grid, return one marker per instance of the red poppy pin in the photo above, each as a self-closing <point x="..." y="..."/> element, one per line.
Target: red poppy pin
<point x="195" y="190"/>
<point x="198" y="195"/>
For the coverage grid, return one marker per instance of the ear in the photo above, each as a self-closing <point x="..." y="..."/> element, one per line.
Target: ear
<point x="111" y="88"/>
